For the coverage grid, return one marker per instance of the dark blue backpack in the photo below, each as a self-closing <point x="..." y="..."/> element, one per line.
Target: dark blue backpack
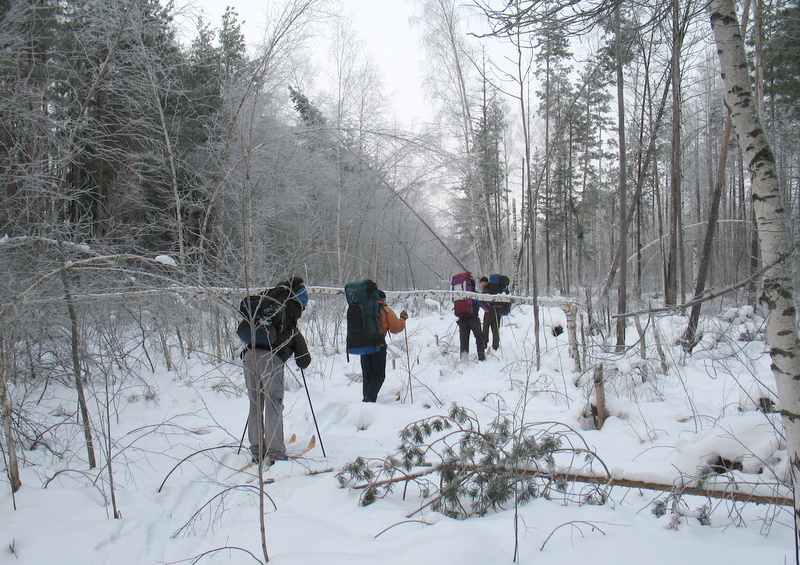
<point x="498" y="284"/>
<point x="269" y="314"/>
<point x="363" y="318"/>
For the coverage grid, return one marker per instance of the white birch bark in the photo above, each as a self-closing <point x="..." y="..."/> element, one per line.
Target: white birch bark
<point x="12" y="465"/>
<point x="773" y="228"/>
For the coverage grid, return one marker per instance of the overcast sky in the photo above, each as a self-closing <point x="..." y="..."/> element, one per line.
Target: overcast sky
<point x="384" y="27"/>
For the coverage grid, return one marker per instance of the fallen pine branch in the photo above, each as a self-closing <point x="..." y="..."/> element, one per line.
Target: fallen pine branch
<point x="406" y="477"/>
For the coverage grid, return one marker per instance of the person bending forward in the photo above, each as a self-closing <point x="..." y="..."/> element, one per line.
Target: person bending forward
<point x="263" y="374"/>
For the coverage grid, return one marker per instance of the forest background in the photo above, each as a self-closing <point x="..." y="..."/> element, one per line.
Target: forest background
<point x="147" y="184"/>
<point x="235" y="164"/>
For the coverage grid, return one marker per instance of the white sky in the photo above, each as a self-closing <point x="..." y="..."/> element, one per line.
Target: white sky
<point x="383" y="25"/>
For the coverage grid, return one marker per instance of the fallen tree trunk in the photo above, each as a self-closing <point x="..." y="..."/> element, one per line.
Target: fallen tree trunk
<point x="738" y="495"/>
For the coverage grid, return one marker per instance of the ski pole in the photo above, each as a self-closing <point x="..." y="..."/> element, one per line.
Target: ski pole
<point x="241" y="441"/>
<point x="314" y="416"/>
<point x="408" y="364"/>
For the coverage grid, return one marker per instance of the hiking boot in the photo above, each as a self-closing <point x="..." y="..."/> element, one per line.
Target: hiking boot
<point x="481" y="356"/>
<point x="257" y="455"/>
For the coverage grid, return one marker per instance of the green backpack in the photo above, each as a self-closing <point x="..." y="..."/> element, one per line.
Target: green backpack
<point x="363" y="318"/>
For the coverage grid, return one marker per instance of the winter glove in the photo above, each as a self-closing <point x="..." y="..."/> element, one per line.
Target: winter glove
<point x="404" y="315"/>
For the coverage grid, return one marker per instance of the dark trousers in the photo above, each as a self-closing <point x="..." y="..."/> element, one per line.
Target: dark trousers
<point x="490" y="322"/>
<point x="373" y="369"/>
<point x="467" y="325"/>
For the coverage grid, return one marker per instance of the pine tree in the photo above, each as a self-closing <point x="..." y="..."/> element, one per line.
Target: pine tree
<point x="309" y="113"/>
<point x="489" y="232"/>
<point x="233" y="49"/>
<point x="203" y="84"/>
<point x="553" y="70"/>
<point x="782" y="58"/>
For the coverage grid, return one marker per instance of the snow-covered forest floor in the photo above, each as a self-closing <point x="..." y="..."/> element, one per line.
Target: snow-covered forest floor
<point x="175" y="438"/>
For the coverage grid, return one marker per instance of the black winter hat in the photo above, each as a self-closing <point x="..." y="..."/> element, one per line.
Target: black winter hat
<point x="483" y="279"/>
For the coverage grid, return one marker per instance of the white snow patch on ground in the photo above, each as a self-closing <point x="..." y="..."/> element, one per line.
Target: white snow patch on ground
<point x="183" y="431"/>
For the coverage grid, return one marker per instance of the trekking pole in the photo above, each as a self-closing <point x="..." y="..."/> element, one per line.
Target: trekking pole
<point x="241" y="441"/>
<point x="408" y="364"/>
<point x="319" y="435"/>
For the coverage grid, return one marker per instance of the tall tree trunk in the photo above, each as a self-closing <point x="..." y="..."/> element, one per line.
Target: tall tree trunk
<point x="646" y="112"/>
<point x="649" y="156"/>
<point x="752" y="287"/>
<point x="773" y="229"/>
<point x="622" y="289"/>
<point x="99" y="216"/>
<point x="488" y="189"/>
<point x="547" y="197"/>
<point x="532" y="199"/>
<point x="690" y="337"/>
<point x="758" y="36"/>
<point x="585" y="164"/>
<point x="76" y="366"/>
<point x="176" y="195"/>
<point x="676" y="172"/>
<point x="12" y="465"/>
<point x="569" y="206"/>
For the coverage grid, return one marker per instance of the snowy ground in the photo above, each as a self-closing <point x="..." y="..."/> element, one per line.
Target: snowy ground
<point x="659" y="430"/>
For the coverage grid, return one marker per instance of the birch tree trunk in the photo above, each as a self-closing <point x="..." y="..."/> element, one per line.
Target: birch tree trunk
<point x="773" y="228"/>
<point x="12" y="465"/>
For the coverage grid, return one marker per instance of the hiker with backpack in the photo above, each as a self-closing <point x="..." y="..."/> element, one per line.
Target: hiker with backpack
<point x="495" y="284"/>
<point x="489" y="317"/>
<point x="466" y="310"/>
<point x="369" y="318"/>
<point x="271" y="336"/>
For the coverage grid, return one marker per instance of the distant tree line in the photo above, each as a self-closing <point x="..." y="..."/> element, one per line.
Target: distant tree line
<point x="115" y="136"/>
